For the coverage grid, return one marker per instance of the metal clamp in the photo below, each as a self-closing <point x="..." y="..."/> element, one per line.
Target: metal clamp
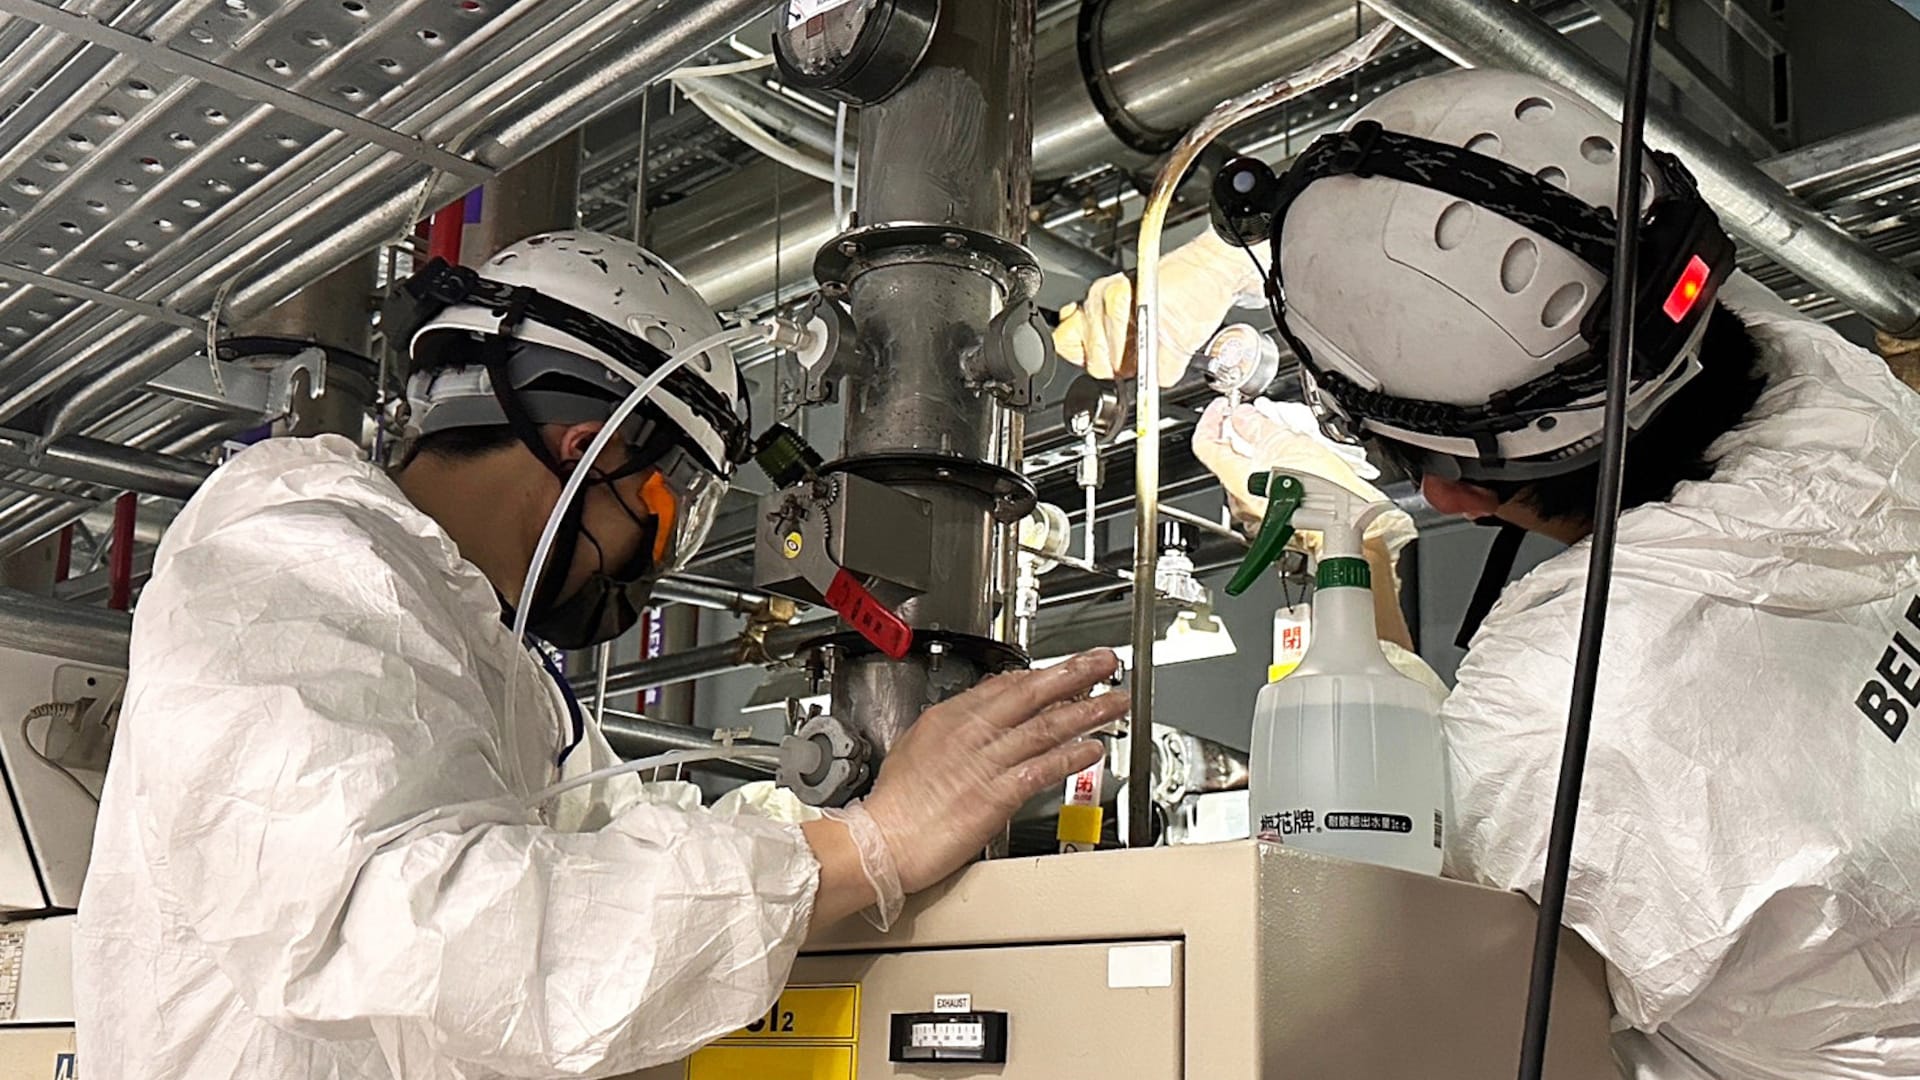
<point x="1016" y="348"/>
<point x="834" y="349"/>
<point x="824" y="761"/>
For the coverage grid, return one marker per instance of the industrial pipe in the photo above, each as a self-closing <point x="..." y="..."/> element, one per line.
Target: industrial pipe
<point x="780" y="643"/>
<point x="443" y="233"/>
<point x="1846" y="161"/>
<point x="915" y="419"/>
<point x="1166" y="64"/>
<point x="86" y="635"/>
<point x="108" y="464"/>
<point x="1753" y="206"/>
<point x="631" y="738"/>
<point x="679" y="590"/>
<point x="120" y="554"/>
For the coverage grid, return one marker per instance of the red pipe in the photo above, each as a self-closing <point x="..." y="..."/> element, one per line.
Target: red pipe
<point x="63" y="561"/>
<point x="443" y="236"/>
<point x="120" y="555"/>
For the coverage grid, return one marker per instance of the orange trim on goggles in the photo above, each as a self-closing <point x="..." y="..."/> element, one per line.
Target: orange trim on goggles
<point x="665" y="505"/>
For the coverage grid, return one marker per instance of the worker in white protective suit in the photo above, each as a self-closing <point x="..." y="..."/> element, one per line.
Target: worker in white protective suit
<point x="1750" y="827"/>
<point x="323" y="850"/>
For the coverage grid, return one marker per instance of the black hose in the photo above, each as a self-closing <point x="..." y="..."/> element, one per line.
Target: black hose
<point x="1606" y="516"/>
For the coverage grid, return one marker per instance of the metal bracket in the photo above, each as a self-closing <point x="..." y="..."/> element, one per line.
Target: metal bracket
<point x="268" y="394"/>
<point x="1017" y="347"/>
<point x="836" y="352"/>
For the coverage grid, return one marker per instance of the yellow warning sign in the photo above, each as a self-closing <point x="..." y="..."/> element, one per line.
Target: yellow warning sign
<point x="792" y="546"/>
<point x="807" y="1014"/>
<point x="771" y="1062"/>
<point x="811" y="1033"/>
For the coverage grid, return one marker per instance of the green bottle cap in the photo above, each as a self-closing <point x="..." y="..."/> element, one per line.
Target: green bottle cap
<point x="1284" y="495"/>
<point x="1344" y="573"/>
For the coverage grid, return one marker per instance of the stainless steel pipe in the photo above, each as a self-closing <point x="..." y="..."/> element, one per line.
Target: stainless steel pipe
<point x="952" y="147"/>
<point x="107" y="464"/>
<point x="1168" y="66"/>
<point x="1752" y="205"/>
<point x="69" y="631"/>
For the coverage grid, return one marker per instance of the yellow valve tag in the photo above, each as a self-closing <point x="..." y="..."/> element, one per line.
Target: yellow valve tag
<point x="811" y="1033"/>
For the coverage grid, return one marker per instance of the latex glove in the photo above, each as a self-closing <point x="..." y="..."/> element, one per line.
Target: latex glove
<point x="1410" y="665"/>
<point x="1236" y="442"/>
<point x="954" y="780"/>
<point x="1199" y="282"/>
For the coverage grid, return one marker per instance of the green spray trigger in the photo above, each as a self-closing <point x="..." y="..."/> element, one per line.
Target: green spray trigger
<point x="1284" y="495"/>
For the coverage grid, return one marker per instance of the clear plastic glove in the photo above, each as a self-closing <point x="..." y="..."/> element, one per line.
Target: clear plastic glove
<point x="1199" y="282"/>
<point x="1236" y="442"/>
<point x="954" y="780"/>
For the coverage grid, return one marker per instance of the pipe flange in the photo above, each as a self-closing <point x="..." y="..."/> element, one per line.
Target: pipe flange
<point x="987" y="655"/>
<point x="1013" y="495"/>
<point x="872" y="247"/>
<point x="825" y="762"/>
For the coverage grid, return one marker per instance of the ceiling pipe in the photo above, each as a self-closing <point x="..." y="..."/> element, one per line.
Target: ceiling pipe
<point x="71" y="632"/>
<point x="108" y="464"/>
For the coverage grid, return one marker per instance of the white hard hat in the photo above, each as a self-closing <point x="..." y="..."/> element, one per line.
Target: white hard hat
<point x="624" y="286"/>
<point x="1417" y="295"/>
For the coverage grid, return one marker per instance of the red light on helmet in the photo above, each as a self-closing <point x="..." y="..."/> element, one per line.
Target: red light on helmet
<point x="1685" y="295"/>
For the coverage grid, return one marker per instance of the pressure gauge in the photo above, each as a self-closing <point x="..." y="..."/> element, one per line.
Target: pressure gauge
<point x="860" y="51"/>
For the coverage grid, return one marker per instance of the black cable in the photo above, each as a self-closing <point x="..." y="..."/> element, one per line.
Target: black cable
<point x="1606" y="515"/>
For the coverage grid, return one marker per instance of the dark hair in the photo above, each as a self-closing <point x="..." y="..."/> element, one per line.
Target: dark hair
<point x="464" y="444"/>
<point x="1673" y="448"/>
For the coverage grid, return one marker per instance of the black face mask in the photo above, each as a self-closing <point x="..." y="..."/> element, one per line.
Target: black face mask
<point x="607" y="604"/>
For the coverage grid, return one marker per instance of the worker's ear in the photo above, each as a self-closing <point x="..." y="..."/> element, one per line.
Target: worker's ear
<point x="1459" y="497"/>
<point x="570" y="443"/>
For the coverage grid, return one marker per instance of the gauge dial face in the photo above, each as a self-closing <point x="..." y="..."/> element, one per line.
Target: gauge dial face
<point x="820" y="35"/>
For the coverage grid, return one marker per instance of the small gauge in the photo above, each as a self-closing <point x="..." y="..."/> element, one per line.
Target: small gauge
<point x="860" y="51"/>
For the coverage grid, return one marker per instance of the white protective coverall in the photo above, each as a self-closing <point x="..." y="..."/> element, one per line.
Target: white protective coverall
<point x="313" y="857"/>
<point x="1749" y="836"/>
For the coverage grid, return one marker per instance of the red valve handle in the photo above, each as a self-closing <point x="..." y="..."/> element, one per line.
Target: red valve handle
<point x="875" y="621"/>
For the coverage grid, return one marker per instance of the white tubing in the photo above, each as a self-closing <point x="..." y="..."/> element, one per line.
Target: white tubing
<point x="714" y="71"/>
<point x="658" y="761"/>
<point x="839" y="162"/>
<point x="579" y="475"/>
<point x="742" y="127"/>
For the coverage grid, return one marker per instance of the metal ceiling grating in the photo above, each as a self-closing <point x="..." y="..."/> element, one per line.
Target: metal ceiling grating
<point x="152" y="153"/>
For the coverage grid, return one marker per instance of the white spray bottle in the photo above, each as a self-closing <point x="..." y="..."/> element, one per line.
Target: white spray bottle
<point x="1346" y="756"/>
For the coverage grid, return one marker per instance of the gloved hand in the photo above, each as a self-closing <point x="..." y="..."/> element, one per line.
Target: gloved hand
<point x="1237" y="442"/>
<point x="1199" y="282"/>
<point x="954" y="780"/>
